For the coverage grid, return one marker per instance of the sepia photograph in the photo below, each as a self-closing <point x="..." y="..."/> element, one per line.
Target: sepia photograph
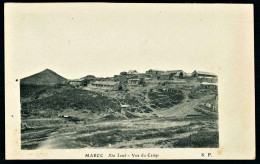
<point x="126" y="78"/>
<point x="163" y="109"/>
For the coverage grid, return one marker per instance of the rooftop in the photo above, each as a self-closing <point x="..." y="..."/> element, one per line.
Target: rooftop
<point x="155" y="70"/>
<point x="174" y="71"/>
<point x="205" y="83"/>
<point x="206" y="73"/>
<point x="202" y="77"/>
<point x="132" y="71"/>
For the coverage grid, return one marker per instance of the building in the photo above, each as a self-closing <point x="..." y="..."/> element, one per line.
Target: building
<point x="165" y="76"/>
<point x="169" y="75"/>
<point x="77" y="82"/>
<point x="177" y="73"/>
<point x="133" y="81"/>
<point x="168" y="89"/>
<point x="132" y="72"/>
<point x="203" y="74"/>
<point x="206" y="85"/>
<point x="147" y="76"/>
<point x="141" y="75"/>
<point x="104" y="84"/>
<point x="111" y="85"/>
<point x="119" y="87"/>
<point x="207" y="79"/>
<point x="123" y="73"/>
<point x="117" y="76"/>
<point x="154" y="73"/>
<point x="136" y="82"/>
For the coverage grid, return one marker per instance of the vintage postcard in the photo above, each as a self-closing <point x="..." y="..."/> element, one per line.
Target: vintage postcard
<point x="129" y="81"/>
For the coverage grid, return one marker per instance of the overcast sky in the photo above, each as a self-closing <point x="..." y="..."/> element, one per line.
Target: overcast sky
<point x="76" y="40"/>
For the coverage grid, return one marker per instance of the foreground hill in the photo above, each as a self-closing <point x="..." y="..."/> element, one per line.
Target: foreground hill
<point x="69" y="98"/>
<point x="46" y="77"/>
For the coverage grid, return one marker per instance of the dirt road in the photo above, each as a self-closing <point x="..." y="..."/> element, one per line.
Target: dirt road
<point x="183" y="109"/>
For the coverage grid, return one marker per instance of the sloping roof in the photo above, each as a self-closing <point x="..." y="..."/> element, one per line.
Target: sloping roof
<point x="166" y="71"/>
<point x="174" y="71"/>
<point x="205" y="73"/>
<point x="105" y="82"/>
<point x="156" y="70"/>
<point x="205" y="77"/>
<point x="205" y="83"/>
<point x="132" y="71"/>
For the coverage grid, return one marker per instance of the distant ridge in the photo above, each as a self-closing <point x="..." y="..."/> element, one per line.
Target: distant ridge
<point x="45" y="77"/>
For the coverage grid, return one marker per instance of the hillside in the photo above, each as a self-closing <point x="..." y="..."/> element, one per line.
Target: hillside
<point x="70" y="98"/>
<point x="46" y="77"/>
<point x="68" y="117"/>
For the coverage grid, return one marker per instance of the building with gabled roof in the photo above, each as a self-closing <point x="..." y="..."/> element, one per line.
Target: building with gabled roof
<point x="77" y="82"/>
<point x="111" y="85"/>
<point x="206" y="85"/>
<point x="203" y="74"/>
<point x="132" y="72"/>
<point x="154" y="71"/>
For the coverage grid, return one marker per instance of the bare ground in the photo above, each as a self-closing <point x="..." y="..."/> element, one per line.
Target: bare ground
<point x="132" y="133"/>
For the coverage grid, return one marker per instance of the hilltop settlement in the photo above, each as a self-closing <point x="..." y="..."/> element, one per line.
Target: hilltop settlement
<point x="52" y="101"/>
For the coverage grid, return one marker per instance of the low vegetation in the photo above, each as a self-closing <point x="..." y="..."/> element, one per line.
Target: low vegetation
<point x="71" y="99"/>
<point x="165" y="99"/>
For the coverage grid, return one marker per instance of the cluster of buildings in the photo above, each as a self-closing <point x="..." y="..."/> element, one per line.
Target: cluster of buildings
<point x="132" y="78"/>
<point x="166" y="75"/>
<point x="208" y="80"/>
